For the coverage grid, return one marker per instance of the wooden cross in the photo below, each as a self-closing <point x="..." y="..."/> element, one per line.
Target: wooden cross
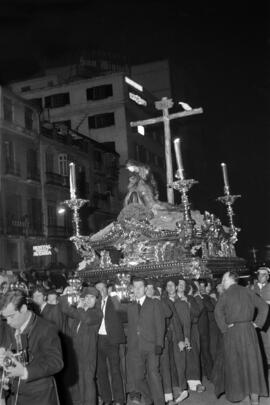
<point x="165" y="104"/>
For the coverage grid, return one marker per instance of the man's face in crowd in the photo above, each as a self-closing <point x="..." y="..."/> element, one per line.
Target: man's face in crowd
<point x="263" y="277"/>
<point x="90" y="301"/>
<point x="38" y="298"/>
<point x="208" y="288"/>
<point x="102" y="288"/>
<point x="150" y="291"/>
<point x="15" y="318"/>
<point x="170" y="288"/>
<point x="52" y="299"/>
<point x="139" y="289"/>
<point x="202" y="289"/>
<point x="181" y="286"/>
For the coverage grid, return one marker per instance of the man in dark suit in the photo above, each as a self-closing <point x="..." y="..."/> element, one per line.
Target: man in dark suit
<point x="38" y="344"/>
<point x="51" y="313"/>
<point x="110" y="336"/>
<point x="85" y="321"/>
<point x="146" y="329"/>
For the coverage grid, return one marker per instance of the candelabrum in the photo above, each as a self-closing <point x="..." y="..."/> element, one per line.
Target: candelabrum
<point x="188" y="226"/>
<point x="229" y="200"/>
<point x="75" y="204"/>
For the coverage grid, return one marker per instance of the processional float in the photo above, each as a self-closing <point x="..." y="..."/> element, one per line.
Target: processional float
<point x="154" y="239"/>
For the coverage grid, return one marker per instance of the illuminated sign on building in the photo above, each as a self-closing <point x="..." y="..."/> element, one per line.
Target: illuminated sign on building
<point x="42" y="250"/>
<point x="133" y="84"/>
<point x="139" y="100"/>
<point x="141" y="130"/>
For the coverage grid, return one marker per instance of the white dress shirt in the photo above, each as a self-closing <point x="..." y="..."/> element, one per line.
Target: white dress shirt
<point x="102" y="329"/>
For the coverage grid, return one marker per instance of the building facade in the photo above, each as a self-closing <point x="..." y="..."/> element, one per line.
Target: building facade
<point x="34" y="181"/>
<point x="101" y="107"/>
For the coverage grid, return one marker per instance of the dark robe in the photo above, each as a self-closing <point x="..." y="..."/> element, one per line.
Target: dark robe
<point x="193" y="371"/>
<point x="84" y="328"/>
<point x="206" y="306"/>
<point x="214" y="332"/>
<point x="243" y="368"/>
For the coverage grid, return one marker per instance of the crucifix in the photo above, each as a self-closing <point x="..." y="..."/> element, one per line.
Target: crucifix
<point x="164" y="105"/>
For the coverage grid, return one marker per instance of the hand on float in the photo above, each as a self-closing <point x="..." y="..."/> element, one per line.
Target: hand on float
<point x="80" y="303"/>
<point x="67" y="291"/>
<point x="2" y="355"/>
<point x="187" y="344"/>
<point x="181" y="346"/>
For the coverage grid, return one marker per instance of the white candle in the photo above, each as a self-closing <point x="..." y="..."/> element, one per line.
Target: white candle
<point x="178" y="156"/>
<point x="72" y="180"/>
<point x="225" y="175"/>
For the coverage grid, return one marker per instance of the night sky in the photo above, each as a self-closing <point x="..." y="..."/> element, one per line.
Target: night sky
<point x="219" y="52"/>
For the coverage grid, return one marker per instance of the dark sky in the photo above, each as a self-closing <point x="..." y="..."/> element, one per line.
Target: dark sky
<point x="220" y="59"/>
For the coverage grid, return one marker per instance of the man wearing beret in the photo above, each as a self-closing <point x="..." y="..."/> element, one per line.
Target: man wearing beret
<point x="262" y="288"/>
<point x="85" y="322"/>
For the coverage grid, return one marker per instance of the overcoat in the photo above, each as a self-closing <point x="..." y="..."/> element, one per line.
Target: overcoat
<point x="84" y="327"/>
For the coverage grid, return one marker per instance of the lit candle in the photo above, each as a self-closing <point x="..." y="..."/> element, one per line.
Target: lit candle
<point x="72" y="180"/>
<point x="225" y="175"/>
<point x="178" y="156"/>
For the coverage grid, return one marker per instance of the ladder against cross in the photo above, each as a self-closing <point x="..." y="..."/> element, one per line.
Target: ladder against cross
<point x="164" y="105"/>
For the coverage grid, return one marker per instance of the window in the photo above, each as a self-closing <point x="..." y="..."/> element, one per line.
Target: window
<point x="8" y="109"/>
<point x="9" y="155"/>
<point x="51" y="209"/>
<point x="49" y="162"/>
<point x="97" y="160"/>
<point x="63" y="164"/>
<point x="32" y="164"/>
<point x="57" y="100"/>
<point x="101" y="120"/>
<point x="62" y="127"/>
<point x="35" y="213"/>
<point x="99" y="92"/>
<point x="28" y="118"/>
<point x="37" y="102"/>
<point x="14" y="205"/>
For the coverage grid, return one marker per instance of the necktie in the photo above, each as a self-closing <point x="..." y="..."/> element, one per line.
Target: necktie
<point x="18" y="339"/>
<point x="139" y="306"/>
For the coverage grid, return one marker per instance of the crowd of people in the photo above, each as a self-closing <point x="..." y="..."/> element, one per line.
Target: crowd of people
<point x="157" y="348"/>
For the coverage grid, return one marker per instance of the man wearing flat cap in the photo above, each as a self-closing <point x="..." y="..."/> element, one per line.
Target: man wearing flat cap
<point x="85" y="319"/>
<point x="262" y="288"/>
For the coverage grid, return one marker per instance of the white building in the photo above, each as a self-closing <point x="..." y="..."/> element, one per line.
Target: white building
<point x="101" y="107"/>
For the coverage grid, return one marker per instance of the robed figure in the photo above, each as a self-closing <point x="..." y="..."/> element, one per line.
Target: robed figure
<point x="243" y="367"/>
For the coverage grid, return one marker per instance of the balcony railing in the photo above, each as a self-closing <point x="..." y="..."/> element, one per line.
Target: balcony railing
<point x="57" y="180"/>
<point x="13" y="169"/>
<point x="20" y="225"/>
<point x="33" y="175"/>
<point x="59" y="231"/>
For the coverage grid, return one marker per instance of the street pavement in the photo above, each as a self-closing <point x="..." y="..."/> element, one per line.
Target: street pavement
<point x="208" y="398"/>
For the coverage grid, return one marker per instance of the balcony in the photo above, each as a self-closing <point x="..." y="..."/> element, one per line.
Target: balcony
<point x="57" y="180"/>
<point x="13" y="169"/>
<point x="59" y="231"/>
<point x="33" y="175"/>
<point x="19" y="225"/>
